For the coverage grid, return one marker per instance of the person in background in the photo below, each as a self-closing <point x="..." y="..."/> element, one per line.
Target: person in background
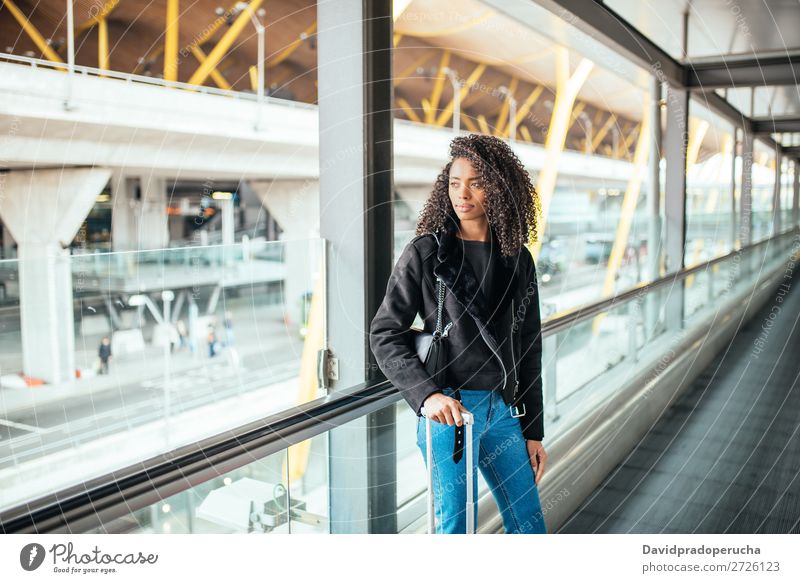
<point x="212" y="341"/>
<point x="228" y="328"/>
<point x="183" y="334"/>
<point x="105" y="354"/>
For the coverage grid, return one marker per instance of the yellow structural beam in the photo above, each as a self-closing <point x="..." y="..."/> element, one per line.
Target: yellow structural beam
<point x="103" y="61"/>
<point x="438" y="86"/>
<point x="726" y="153"/>
<point x="297" y="456"/>
<point x="208" y="32"/>
<point x="576" y="111"/>
<point x="171" y="40"/>
<point x="502" y="117"/>
<point x="253" y="72"/>
<point x="627" y="140"/>
<point x="627" y="211"/>
<point x="409" y="111"/>
<point x="471" y="98"/>
<point x="526" y="134"/>
<point x="102" y="14"/>
<point x="32" y="32"/>
<point x="623" y="133"/>
<point x="484" y="125"/>
<point x="598" y="137"/>
<point x="216" y="76"/>
<point x="426" y="107"/>
<point x="292" y="46"/>
<point x="447" y="113"/>
<point x="522" y="111"/>
<point x="468" y="123"/>
<point x="698" y="249"/>
<point x="697" y="133"/>
<point x="224" y="44"/>
<point x="567" y="87"/>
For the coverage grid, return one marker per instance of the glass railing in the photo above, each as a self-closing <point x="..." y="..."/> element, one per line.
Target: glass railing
<point x="288" y="487"/>
<point x="167" y="347"/>
<point x="586" y="361"/>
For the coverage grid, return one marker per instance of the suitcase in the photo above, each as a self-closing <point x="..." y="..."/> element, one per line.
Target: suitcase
<point x="467" y="417"/>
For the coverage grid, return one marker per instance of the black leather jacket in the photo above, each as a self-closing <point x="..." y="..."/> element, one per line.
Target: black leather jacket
<point x="517" y="344"/>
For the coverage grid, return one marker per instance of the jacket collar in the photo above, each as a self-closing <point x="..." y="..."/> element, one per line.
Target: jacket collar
<point x="460" y="279"/>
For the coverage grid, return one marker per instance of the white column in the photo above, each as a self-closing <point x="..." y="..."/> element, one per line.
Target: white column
<point x="776" y="194"/>
<point x="675" y="142"/>
<point x="139" y="222"/>
<point x="796" y="193"/>
<point x="228" y="231"/>
<point x="746" y="196"/>
<point x="676" y="139"/>
<point x="44" y="209"/>
<point x="152" y="228"/>
<point x="654" y="182"/>
<point x="123" y="212"/>
<point x="652" y="302"/>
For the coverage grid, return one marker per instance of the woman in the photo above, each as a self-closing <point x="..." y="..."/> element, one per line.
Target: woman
<point x="472" y="234"/>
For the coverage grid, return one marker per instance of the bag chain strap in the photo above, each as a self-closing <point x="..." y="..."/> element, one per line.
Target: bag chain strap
<point x="440" y="302"/>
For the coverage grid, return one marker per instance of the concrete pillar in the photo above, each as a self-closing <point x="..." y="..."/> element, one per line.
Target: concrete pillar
<point x="654" y="183"/>
<point x="675" y="183"/>
<point x="652" y="303"/>
<point x="44" y="210"/>
<point x="746" y="196"/>
<point x="226" y="208"/>
<point x="123" y="212"/>
<point x="139" y="215"/>
<point x="796" y="193"/>
<point x="777" y="223"/>
<point x="734" y="213"/>
<point x="152" y="228"/>
<point x="675" y="144"/>
<point x="295" y="206"/>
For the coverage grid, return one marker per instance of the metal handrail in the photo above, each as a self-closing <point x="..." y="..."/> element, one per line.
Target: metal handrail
<point x="155" y="81"/>
<point x="107" y="497"/>
<point x="568" y="318"/>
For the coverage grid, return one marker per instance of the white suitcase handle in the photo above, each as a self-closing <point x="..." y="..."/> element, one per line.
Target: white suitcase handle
<point x="468" y="419"/>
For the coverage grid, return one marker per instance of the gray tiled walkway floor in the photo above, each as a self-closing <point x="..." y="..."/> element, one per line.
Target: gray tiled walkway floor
<point x="725" y="458"/>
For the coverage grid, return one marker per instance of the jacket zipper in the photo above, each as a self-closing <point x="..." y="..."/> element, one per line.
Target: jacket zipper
<point x="503" y="366"/>
<point x="513" y="357"/>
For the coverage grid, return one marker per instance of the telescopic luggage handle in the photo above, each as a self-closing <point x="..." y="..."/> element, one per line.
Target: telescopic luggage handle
<point x="468" y="419"/>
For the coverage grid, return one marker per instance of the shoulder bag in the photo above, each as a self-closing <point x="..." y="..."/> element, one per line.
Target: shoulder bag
<point x="430" y="346"/>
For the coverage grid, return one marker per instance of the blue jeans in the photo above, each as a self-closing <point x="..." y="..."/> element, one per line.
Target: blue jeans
<point x="500" y="451"/>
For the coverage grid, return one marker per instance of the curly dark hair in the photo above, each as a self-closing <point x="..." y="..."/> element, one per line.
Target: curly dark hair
<point x="512" y="203"/>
